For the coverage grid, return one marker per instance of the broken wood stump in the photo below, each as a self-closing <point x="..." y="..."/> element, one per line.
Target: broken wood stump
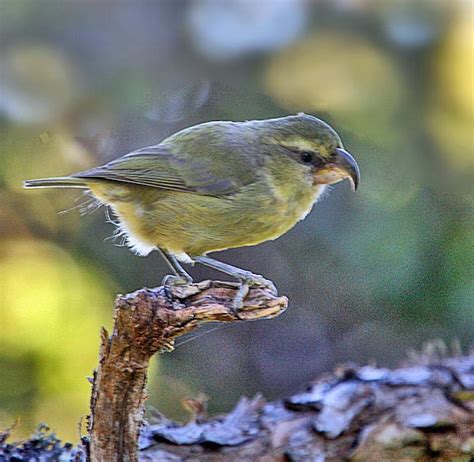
<point x="147" y="322"/>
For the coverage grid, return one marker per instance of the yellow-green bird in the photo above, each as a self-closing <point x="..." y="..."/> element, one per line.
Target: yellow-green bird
<point x="218" y="185"/>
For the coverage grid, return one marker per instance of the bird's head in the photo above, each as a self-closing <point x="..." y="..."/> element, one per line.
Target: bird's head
<point x="313" y="147"/>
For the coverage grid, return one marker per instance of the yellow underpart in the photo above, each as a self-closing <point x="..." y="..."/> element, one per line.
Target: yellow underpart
<point x="185" y="222"/>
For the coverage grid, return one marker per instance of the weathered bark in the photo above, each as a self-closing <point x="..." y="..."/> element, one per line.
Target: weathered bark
<point x="420" y="413"/>
<point x="145" y="323"/>
<point x="361" y="414"/>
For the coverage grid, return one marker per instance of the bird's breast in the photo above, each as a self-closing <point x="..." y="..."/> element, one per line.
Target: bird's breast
<point x="295" y="201"/>
<point x="196" y="224"/>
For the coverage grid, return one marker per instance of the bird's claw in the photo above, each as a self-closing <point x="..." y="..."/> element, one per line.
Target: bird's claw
<point x="249" y="280"/>
<point x="238" y="302"/>
<point x="170" y="281"/>
<point x="255" y="280"/>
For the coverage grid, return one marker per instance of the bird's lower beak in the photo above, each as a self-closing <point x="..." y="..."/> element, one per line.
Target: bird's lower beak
<point x="342" y="165"/>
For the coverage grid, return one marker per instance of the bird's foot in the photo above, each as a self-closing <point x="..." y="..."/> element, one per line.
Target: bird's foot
<point x="170" y="281"/>
<point x="247" y="281"/>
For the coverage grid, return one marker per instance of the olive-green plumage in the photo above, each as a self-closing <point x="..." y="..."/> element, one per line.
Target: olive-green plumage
<point x="218" y="185"/>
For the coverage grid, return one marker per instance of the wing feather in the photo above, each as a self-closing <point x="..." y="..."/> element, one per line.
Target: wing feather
<point x="165" y="167"/>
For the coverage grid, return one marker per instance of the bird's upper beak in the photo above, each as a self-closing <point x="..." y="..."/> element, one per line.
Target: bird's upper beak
<point x="341" y="165"/>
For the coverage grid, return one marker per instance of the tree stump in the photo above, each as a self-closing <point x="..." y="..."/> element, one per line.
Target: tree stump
<point x="147" y="322"/>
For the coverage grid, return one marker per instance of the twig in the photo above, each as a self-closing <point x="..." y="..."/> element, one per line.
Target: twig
<point x="147" y="322"/>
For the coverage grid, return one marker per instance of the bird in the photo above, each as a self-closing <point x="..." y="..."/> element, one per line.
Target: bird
<point x="215" y="186"/>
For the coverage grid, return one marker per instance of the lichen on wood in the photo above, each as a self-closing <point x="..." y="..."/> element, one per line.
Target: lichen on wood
<point x="422" y="413"/>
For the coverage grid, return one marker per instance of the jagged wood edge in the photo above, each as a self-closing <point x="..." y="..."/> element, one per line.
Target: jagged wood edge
<point x="147" y="322"/>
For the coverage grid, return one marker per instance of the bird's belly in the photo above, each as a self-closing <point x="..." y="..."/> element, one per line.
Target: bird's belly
<point x="206" y="224"/>
<point x="196" y="224"/>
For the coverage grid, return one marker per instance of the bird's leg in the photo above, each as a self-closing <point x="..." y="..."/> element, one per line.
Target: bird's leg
<point x="246" y="278"/>
<point x="179" y="276"/>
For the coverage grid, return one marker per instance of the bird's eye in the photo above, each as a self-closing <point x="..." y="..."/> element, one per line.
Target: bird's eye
<point x="306" y="157"/>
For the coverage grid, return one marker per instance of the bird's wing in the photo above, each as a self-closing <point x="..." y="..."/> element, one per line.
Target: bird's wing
<point x="164" y="167"/>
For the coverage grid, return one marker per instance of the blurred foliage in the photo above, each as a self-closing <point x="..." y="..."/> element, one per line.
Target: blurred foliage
<point x="369" y="275"/>
<point x="343" y="74"/>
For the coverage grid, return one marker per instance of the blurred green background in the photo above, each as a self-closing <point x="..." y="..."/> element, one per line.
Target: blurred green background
<point x="369" y="275"/>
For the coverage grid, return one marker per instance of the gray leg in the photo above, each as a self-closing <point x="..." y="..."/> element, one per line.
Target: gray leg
<point x="180" y="276"/>
<point x="246" y="278"/>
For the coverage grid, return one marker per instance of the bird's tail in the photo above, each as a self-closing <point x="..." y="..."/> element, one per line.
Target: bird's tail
<point x="59" y="182"/>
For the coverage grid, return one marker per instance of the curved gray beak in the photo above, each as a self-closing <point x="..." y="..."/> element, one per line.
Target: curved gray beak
<point x="344" y="162"/>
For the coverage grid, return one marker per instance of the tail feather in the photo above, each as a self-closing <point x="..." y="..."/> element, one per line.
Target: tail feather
<point x="60" y="182"/>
